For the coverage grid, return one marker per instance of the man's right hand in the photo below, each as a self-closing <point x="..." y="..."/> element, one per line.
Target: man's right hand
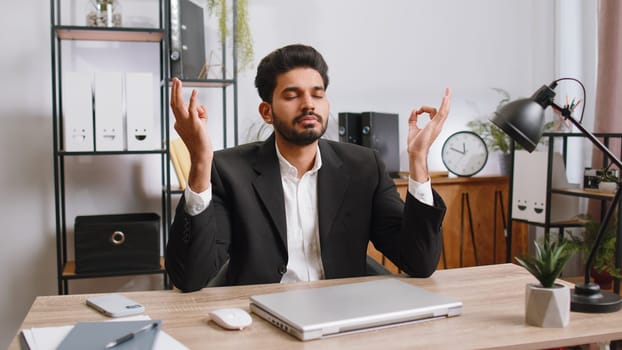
<point x="191" y="125"/>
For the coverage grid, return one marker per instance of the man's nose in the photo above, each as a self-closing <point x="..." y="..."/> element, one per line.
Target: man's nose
<point x="308" y="103"/>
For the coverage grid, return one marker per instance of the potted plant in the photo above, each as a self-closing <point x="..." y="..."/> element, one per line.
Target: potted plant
<point x="603" y="265"/>
<point x="607" y="180"/>
<point x="547" y="304"/>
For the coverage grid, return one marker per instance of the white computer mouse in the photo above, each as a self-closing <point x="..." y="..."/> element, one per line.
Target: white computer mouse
<point x="231" y="318"/>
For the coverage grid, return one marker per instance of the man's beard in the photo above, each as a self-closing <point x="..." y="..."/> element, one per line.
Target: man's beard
<point x="303" y="138"/>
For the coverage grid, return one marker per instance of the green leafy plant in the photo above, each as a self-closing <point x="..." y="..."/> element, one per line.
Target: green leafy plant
<point x="496" y="139"/>
<point x="243" y="39"/>
<point x="604" y="258"/>
<point x="549" y="260"/>
<point x="607" y="175"/>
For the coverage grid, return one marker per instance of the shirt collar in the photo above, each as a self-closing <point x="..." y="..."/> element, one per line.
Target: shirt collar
<point x="290" y="170"/>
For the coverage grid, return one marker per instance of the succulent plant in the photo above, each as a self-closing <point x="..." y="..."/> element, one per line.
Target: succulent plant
<point x="549" y="260"/>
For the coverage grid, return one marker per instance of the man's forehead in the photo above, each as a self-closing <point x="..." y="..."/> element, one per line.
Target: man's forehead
<point x="302" y="78"/>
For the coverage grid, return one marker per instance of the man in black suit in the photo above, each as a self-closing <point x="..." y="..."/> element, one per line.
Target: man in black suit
<point x="296" y="207"/>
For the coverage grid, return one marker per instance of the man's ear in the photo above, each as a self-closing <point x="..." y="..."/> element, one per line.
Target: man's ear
<point x="265" y="110"/>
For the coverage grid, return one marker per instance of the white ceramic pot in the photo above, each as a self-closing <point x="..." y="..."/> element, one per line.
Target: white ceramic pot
<point x="608" y="187"/>
<point x="547" y="307"/>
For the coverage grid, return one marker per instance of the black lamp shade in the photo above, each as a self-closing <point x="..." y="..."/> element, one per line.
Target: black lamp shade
<point x="523" y="121"/>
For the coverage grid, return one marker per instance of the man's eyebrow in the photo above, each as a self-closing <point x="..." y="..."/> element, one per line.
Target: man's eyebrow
<point x="297" y="88"/>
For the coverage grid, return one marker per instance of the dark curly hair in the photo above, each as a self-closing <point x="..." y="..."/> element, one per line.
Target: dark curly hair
<point x="282" y="61"/>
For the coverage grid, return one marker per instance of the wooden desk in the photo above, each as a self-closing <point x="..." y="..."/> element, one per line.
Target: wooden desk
<point x="493" y="317"/>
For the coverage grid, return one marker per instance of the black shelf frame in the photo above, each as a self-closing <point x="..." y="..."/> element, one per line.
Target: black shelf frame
<point x="60" y="33"/>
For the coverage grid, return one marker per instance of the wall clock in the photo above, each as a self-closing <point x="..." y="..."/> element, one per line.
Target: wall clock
<point x="464" y="153"/>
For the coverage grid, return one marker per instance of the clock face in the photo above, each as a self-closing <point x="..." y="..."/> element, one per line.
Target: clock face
<point x="464" y="153"/>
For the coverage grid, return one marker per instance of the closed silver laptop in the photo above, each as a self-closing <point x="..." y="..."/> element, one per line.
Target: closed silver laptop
<point x="325" y="311"/>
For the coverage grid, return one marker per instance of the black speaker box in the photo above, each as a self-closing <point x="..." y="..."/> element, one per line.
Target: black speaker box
<point x="350" y="127"/>
<point x="380" y="131"/>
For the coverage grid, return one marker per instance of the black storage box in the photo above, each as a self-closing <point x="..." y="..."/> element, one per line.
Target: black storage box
<point x="117" y="243"/>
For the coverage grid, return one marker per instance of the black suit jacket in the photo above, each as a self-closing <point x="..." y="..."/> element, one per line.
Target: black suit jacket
<point x="245" y="221"/>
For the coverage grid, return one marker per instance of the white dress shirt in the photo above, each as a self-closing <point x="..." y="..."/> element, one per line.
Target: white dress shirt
<point x="301" y="212"/>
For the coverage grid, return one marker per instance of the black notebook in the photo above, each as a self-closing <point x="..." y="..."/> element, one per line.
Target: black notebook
<point x="96" y="335"/>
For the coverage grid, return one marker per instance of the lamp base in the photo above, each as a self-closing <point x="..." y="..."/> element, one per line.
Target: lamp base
<point x="587" y="297"/>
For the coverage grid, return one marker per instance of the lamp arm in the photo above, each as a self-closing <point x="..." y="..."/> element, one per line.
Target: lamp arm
<point x="567" y="114"/>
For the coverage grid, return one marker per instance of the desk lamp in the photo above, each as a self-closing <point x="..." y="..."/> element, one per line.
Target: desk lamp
<point x="523" y="121"/>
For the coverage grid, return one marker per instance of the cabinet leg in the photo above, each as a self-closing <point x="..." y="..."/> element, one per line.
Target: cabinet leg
<point x="466" y="203"/>
<point x="443" y="252"/>
<point x="498" y="204"/>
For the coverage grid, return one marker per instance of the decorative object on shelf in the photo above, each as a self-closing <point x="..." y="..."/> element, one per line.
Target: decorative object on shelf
<point x="530" y="188"/>
<point x="603" y="180"/>
<point x="607" y="186"/>
<point x="604" y="268"/>
<point x="204" y="73"/>
<point x="547" y="304"/>
<point x="106" y="13"/>
<point x="590" y="179"/>
<point x="523" y="120"/>
<point x="117" y="243"/>
<point x="607" y="180"/>
<point x="243" y="39"/>
<point x="180" y="157"/>
<point x="464" y="153"/>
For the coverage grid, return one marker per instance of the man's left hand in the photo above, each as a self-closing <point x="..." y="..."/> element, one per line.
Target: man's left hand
<point x="420" y="139"/>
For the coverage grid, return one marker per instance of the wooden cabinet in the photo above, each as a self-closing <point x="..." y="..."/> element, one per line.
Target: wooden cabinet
<point x="486" y="196"/>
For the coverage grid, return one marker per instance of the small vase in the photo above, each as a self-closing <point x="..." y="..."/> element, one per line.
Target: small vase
<point x="602" y="278"/>
<point x="505" y="164"/>
<point x="106" y="13"/>
<point x="547" y="307"/>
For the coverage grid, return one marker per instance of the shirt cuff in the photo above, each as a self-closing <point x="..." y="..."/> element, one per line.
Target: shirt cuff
<point x="421" y="191"/>
<point x="197" y="202"/>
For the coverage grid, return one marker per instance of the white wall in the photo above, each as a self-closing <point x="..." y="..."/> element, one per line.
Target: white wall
<point x="386" y="56"/>
<point x="402" y="54"/>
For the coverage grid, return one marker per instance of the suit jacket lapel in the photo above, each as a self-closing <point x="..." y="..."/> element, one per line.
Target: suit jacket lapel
<point x="332" y="184"/>
<point x="269" y="188"/>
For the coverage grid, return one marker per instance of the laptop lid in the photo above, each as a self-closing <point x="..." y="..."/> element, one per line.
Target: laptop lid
<point x="345" y="308"/>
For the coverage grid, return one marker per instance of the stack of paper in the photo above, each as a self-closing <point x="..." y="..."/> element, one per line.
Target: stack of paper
<point x="49" y="338"/>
